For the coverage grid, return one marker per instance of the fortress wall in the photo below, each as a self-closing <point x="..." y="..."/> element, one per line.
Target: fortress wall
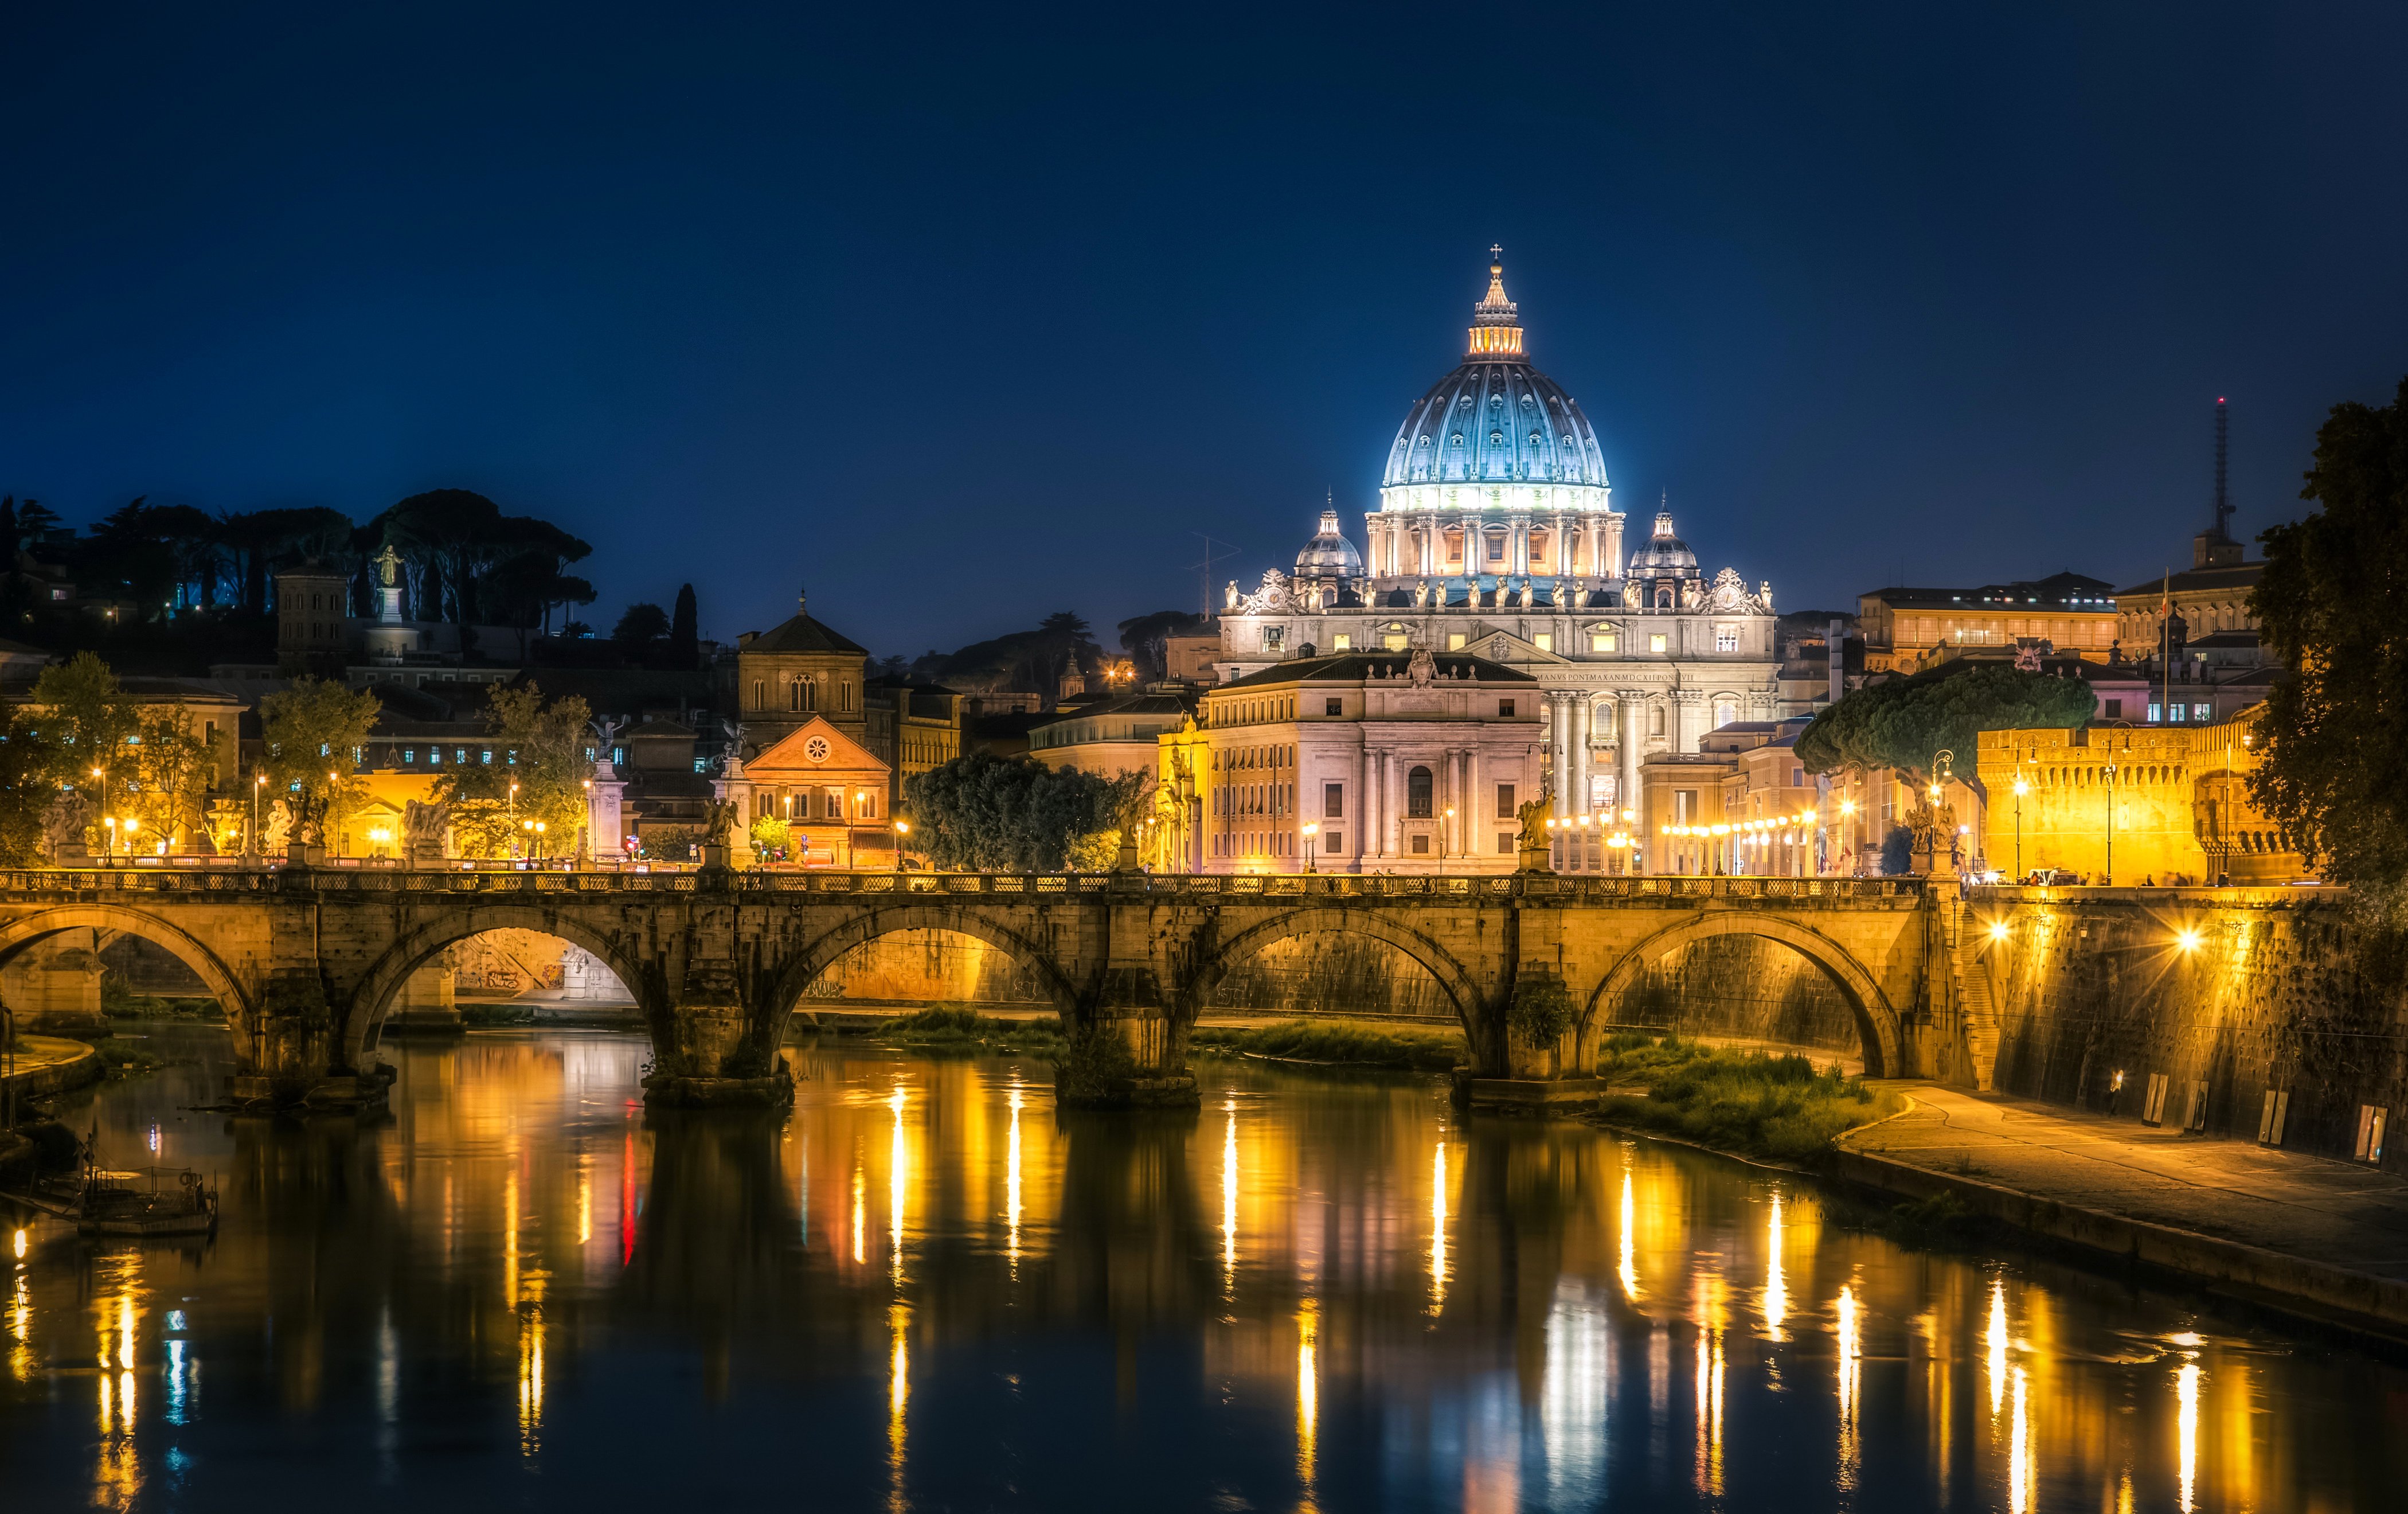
<point x="2302" y="998"/>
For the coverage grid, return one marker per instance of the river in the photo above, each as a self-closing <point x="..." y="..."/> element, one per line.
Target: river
<point x="926" y="1289"/>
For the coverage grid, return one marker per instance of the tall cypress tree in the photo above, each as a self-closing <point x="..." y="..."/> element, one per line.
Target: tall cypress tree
<point x="684" y="649"/>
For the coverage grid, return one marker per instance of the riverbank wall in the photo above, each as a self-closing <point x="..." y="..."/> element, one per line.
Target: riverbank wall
<point x="2270" y="1015"/>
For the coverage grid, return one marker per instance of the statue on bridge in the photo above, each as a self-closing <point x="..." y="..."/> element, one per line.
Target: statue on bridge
<point x="276" y="829"/>
<point x="425" y="829"/>
<point x="722" y="824"/>
<point x="1534" y="845"/>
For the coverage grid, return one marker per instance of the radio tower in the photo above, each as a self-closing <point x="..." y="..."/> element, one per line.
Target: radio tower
<point x="2223" y="503"/>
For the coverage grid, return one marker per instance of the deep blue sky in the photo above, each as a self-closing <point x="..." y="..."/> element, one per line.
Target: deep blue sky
<point x="967" y="316"/>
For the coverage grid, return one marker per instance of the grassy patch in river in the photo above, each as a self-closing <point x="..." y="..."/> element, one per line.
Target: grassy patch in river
<point x="1350" y="1043"/>
<point x="1777" y="1107"/>
<point x="969" y="1030"/>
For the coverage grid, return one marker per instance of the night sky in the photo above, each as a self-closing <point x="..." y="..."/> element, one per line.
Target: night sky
<point x="964" y="317"/>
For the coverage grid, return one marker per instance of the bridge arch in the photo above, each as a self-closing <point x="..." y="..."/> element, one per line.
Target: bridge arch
<point x="372" y="1000"/>
<point x="824" y="951"/>
<point x="1877" y="1019"/>
<point x="1461" y="988"/>
<point x="17" y="935"/>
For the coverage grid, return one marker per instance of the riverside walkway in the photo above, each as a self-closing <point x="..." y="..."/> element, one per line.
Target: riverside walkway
<point x="2287" y="1227"/>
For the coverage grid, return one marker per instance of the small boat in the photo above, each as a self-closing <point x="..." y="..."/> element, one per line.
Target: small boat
<point x="145" y="1202"/>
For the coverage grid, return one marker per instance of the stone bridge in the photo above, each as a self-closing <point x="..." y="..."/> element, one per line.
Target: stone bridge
<point x="309" y="962"/>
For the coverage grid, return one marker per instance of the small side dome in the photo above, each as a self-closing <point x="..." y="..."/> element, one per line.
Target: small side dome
<point x="1329" y="555"/>
<point x="1664" y="554"/>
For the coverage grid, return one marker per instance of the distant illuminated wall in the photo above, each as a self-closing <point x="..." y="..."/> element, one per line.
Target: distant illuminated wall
<point x="1741" y="987"/>
<point x="1333" y="974"/>
<point x="939" y="966"/>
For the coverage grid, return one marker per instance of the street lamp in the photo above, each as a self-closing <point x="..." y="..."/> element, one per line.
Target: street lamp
<point x="258" y="782"/>
<point x="514" y="810"/>
<point x="1443" y="834"/>
<point x="1310" y="830"/>
<point x="539" y="828"/>
<point x="902" y="830"/>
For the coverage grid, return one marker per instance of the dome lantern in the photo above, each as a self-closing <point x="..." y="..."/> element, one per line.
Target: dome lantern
<point x="1496" y="320"/>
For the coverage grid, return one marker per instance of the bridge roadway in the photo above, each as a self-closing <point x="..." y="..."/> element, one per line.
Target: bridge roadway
<point x="309" y="961"/>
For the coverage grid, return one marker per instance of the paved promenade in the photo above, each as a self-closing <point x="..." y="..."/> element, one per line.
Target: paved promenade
<point x="46" y="1064"/>
<point x="2333" y="1216"/>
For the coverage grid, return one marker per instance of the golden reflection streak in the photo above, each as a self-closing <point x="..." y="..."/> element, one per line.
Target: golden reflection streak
<point x="21" y="1243"/>
<point x="1710" y="1411"/>
<point x="899" y="1393"/>
<point x="2020" y="1455"/>
<point x="531" y="1378"/>
<point x="1438" y="1227"/>
<point x="584" y="1200"/>
<point x="1629" y="1269"/>
<point x="1308" y="1397"/>
<point x="860" y="1206"/>
<point x="898" y="1172"/>
<point x="1229" y="1196"/>
<point x="1851" y="1385"/>
<point x="1776" y="1292"/>
<point x="2186" y="1395"/>
<point x="117" y="1475"/>
<point x="1012" y="1185"/>
<point x="1998" y="1341"/>
<point x="511" y="1234"/>
<point x="21" y="1327"/>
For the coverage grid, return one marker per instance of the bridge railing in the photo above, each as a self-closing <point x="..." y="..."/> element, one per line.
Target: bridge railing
<point x="1565" y="889"/>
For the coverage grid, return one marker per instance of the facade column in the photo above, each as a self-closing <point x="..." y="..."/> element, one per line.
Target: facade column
<point x="1689" y="713"/>
<point x="1560" y="753"/>
<point x="1474" y="812"/>
<point x="1583" y="804"/>
<point x="1610" y="527"/>
<point x="1430" y="543"/>
<point x="1560" y="548"/>
<point x="1375" y="798"/>
<point x="1628" y="701"/>
<point x="1354" y="809"/>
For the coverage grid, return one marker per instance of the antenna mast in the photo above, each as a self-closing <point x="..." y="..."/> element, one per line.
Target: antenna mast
<point x="2223" y="503"/>
<point x="1204" y="572"/>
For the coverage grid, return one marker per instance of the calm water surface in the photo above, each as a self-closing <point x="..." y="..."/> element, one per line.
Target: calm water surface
<point x="926" y="1289"/>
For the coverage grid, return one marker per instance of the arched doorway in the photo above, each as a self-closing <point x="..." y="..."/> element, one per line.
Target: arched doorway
<point x="1793" y="981"/>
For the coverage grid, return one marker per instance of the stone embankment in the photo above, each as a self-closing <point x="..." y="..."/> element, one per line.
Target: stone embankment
<point x="48" y="1064"/>
<point x="2313" y="1235"/>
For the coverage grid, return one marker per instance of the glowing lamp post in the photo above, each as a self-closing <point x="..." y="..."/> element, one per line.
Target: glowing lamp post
<point x="902" y="830"/>
<point x="2021" y="789"/>
<point x="1310" y="830"/>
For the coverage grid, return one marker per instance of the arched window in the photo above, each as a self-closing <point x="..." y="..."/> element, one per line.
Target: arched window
<point x="1417" y="794"/>
<point x="1725" y="711"/>
<point x="1656" y="720"/>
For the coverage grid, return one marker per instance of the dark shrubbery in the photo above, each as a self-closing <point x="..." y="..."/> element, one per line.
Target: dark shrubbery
<point x="1323" y="1041"/>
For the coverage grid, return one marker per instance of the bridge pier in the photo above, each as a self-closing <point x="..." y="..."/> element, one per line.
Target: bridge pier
<point x="708" y="1049"/>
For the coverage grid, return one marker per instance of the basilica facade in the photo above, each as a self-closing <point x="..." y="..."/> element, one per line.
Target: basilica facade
<point x="1496" y="536"/>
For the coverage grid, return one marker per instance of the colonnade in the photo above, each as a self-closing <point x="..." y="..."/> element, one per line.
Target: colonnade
<point x="1411" y="544"/>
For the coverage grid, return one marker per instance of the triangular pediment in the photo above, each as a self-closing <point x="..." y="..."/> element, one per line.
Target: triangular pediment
<point x="793" y="754"/>
<point x="1500" y="645"/>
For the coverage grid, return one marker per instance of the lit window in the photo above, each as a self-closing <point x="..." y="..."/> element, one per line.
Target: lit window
<point x="410" y="753"/>
<point x="1393" y="640"/>
<point x="1454" y="641"/>
<point x="1725" y="637"/>
<point x="1343" y="642"/>
<point x="1602" y="641"/>
<point x="486" y="758"/>
<point x="1656" y="642"/>
<point x="2201" y="711"/>
<point x="1544" y="640"/>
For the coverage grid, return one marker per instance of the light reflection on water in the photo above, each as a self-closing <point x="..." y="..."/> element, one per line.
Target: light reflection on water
<point x="927" y="1288"/>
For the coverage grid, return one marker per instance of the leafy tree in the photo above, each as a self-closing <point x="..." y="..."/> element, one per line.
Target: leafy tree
<point x="309" y="735"/>
<point x="2331" y="765"/>
<point x="542" y="752"/>
<point x="175" y="768"/>
<point x="1897" y="852"/>
<point x="1006" y="815"/>
<point x="640" y="627"/>
<point x="770" y="834"/>
<point x="27" y="790"/>
<point x="83" y="721"/>
<point x="685" y="645"/>
<point x="1901" y="721"/>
